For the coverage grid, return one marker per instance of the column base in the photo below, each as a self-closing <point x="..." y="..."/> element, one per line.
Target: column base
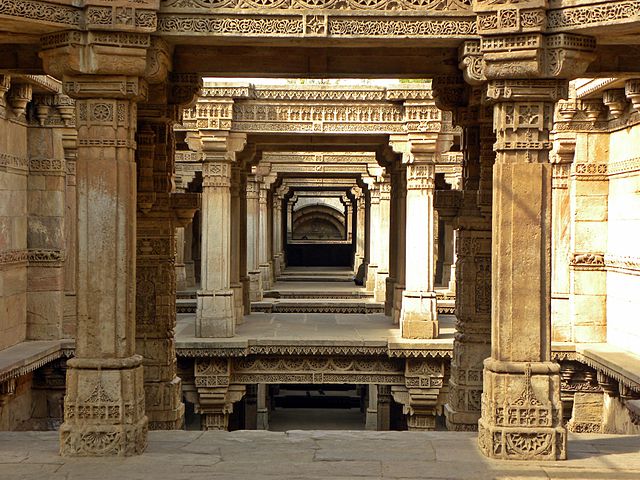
<point x="458" y="421"/>
<point x="104" y="408"/>
<point x="471" y="346"/>
<point x="255" y="286"/>
<point x="371" y="277"/>
<point x="419" y="317"/>
<point x="380" y="290"/>
<point x="277" y="266"/>
<point x="165" y="409"/>
<point x="215" y="314"/>
<point x="522" y="412"/>
<point x="238" y="305"/>
<point x="265" y="270"/>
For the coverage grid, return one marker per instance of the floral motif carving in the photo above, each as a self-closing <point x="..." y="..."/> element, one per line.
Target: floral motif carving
<point x="43" y="11"/>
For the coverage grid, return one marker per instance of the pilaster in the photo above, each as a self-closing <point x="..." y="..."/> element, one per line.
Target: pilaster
<point x="589" y="232"/>
<point x="561" y="159"/>
<point x="45" y="199"/>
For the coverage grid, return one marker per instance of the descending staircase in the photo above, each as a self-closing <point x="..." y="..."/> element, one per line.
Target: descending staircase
<point x="315" y="291"/>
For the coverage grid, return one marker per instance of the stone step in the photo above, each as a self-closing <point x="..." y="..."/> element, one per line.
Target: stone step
<point x="307" y="305"/>
<point x="317" y="294"/>
<point x="186" y="305"/>
<point x="446" y="306"/>
<point x="325" y="306"/>
<point x="315" y="277"/>
<point x="185" y="294"/>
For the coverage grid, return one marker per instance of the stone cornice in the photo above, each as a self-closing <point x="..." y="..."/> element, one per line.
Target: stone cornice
<point x="311" y="93"/>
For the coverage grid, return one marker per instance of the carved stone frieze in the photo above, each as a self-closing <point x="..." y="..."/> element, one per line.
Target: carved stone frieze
<point x="339" y="25"/>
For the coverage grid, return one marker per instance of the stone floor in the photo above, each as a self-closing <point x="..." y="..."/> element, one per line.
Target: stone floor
<point x="298" y="327"/>
<point x="315" y="455"/>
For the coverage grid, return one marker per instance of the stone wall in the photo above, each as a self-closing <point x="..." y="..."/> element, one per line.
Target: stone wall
<point x="623" y="257"/>
<point x="13" y="227"/>
<point x="17" y="408"/>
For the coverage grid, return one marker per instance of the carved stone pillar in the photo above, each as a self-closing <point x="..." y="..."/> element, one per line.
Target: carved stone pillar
<point x="393" y="241"/>
<point x="472" y="341"/>
<point x="374" y="236"/>
<point x="399" y="232"/>
<point x="521" y="407"/>
<point x="237" y="247"/>
<point x="215" y="316"/>
<point x="371" y="419"/>
<point x="262" y="413"/>
<point x="105" y="401"/>
<point x="418" y="318"/>
<point x="360" y="227"/>
<point x="244" y="276"/>
<point x="349" y="218"/>
<point x="290" y="205"/>
<point x="265" y="264"/>
<point x="155" y="267"/>
<point x="384" y="217"/>
<point x="253" y="238"/>
<point x="276" y="235"/>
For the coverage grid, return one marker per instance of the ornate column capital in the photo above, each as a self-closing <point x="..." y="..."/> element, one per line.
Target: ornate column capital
<point x="73" y="53"/>
<point x="221" y="145"/>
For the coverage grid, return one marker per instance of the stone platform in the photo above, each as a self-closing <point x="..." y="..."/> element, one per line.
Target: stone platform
<point x="315" y="455"/>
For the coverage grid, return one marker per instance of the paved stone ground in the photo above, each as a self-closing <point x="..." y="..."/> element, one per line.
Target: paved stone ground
<point x="314" y="455"/>
<point x="294" y="327"/>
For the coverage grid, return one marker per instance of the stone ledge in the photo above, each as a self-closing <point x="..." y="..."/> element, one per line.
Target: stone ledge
<point x="25" y="357"/>
<point x="622" y="366"/>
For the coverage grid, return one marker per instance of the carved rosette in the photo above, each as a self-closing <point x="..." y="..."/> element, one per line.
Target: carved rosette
<point x="522" y="412"/>
<point x="104" y="410"/>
